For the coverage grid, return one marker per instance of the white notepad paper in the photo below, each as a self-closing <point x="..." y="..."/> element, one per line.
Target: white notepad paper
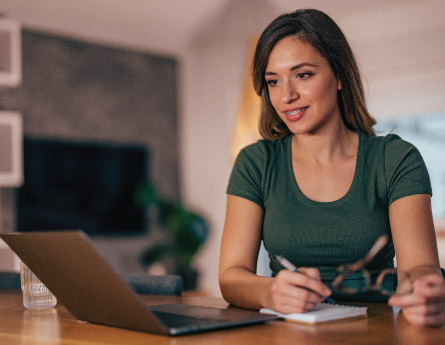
<point x="322" y="312"/>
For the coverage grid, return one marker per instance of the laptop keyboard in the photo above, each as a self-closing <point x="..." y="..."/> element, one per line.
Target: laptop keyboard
<point x="175" y="320"/>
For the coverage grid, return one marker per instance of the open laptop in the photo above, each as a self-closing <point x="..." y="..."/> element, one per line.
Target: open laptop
<point x="69" y="265"/>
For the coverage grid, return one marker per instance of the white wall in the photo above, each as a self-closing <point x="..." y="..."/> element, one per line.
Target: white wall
<point x="402" y="61"/>
<point x="212" y="72"/>
<point x="8" y="260"/>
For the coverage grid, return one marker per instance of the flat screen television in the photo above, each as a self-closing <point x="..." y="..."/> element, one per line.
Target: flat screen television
<point x="84" y="186"/>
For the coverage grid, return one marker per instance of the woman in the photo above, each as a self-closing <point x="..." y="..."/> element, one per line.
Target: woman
<point x="321" y="188"/>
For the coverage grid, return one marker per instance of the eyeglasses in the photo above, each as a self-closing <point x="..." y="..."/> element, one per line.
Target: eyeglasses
<point x="340" y="282"/>
<point x="385" y="282"/>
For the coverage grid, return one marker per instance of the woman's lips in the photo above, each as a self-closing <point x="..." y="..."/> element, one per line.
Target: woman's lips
<point x="294" y="114"/>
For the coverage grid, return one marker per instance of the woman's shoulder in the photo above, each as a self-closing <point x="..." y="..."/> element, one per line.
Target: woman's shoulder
<point x="389" y="143"/>
<point x="391" y="153"/>
<point x="266" y="147"/>
<point x="255" y="164"/>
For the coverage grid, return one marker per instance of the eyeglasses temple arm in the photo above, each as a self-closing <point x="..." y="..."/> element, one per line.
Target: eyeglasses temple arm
<point x="378" y="245"/>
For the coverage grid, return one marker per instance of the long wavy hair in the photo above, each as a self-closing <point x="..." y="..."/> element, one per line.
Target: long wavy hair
<point x="319" y="30"/>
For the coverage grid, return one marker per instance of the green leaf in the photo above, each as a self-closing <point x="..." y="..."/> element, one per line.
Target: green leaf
<point x="154" y="254"/>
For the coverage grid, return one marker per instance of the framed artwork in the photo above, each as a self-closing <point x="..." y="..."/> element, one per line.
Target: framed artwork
<point x="10" y="53"/>
<point x="11" y="143"/>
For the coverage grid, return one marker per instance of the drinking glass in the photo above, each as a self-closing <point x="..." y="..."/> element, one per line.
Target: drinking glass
<point x="35" y="294"/>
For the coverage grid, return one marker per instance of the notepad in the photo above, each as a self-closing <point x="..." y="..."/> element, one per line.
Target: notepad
<point x="322" y="312"/>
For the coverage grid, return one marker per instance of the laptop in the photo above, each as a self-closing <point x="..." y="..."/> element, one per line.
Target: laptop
<point x="69" y="265"/>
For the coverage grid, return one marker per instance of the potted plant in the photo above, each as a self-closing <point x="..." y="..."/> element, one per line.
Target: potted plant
<point x="186" y="230"/>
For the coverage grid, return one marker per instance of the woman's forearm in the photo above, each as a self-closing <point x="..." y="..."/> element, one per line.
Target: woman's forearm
<point x="243" y="288"/>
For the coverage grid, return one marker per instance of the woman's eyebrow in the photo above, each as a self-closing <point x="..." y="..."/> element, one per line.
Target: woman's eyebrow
<point x="294" y="68"/>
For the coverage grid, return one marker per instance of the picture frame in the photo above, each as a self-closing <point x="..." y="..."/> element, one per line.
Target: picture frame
<point x="11" y="149"/>
<point x="10" y="53"/>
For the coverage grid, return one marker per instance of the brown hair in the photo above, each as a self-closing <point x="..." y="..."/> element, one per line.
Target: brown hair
<point x="319" y="30"/>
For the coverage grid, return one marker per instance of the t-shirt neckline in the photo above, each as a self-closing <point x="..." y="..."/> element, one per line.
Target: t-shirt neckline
<point x="352" y="187"/>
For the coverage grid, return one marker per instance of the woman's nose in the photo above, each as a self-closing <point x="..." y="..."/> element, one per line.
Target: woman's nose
<point x="288" y="92"/>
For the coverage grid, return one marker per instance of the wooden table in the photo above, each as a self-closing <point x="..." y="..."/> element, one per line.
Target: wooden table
<point x="56" y="326"/>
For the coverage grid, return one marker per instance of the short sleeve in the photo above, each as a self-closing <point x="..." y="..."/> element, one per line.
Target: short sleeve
<point x="245" y="179"/>
<point x="405" y="170"/>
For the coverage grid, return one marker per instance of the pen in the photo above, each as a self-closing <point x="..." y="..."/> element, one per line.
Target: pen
<point x="291" y="267"/>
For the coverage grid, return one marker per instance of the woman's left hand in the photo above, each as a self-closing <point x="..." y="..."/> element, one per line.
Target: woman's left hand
<point x="425" y="304"/>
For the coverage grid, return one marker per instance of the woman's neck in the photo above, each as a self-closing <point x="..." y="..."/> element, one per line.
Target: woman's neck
<point x="326" y="146"/>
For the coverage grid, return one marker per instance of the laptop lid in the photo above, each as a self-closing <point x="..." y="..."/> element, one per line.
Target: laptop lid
<point x="72" y="269"/>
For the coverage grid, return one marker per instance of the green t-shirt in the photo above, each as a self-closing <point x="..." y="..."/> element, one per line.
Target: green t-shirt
<point x="328" y="234"/>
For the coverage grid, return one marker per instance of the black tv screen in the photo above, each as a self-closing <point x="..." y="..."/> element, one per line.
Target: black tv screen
<point x="82" y="186"/>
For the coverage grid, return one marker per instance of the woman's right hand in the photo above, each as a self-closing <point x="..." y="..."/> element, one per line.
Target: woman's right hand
<point x="296" y="292"/>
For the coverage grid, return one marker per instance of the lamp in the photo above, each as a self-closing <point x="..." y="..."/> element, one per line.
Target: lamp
<point x="246" y="126"/>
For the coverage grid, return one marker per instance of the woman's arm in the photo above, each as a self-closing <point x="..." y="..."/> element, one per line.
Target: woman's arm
<point x="416" y="252"/>
<point x="237" y="270"/>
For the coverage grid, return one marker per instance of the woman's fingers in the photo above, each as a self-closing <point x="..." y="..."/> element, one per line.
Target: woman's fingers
<point x="425" y="305"/>
<point x="430" y="286"/>
<point x="423" y="289"/>
<point x="406" y="300"/>
<point x="308" y="278"/>
<point x="425" y="316"/>
<point x="310" y="272"/>
<point x="299" y="301"/>
<point x="293" y="292"/>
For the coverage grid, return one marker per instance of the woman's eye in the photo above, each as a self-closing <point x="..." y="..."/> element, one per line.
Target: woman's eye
<point x="272" y="82"/>
<point x="304" y="75"/>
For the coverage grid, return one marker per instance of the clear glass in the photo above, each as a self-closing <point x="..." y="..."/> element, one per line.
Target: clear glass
<point x="35" y="294"/>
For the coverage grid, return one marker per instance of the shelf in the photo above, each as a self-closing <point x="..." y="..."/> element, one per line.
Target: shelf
<point x="10" y="53"/>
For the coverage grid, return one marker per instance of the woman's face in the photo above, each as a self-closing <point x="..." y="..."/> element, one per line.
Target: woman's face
<point x="302" y="86"/>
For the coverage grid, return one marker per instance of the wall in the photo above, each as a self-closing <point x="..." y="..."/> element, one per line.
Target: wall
<point x="401" y="50"/>
<point x="77" y="91"/>
<point x="212" y="74"/>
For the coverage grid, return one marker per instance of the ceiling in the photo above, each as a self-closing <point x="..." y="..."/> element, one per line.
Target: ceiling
<point x="169" y="26"/>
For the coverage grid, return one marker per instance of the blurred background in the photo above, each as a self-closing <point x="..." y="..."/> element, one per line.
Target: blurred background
<point x="157" y="93"/>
